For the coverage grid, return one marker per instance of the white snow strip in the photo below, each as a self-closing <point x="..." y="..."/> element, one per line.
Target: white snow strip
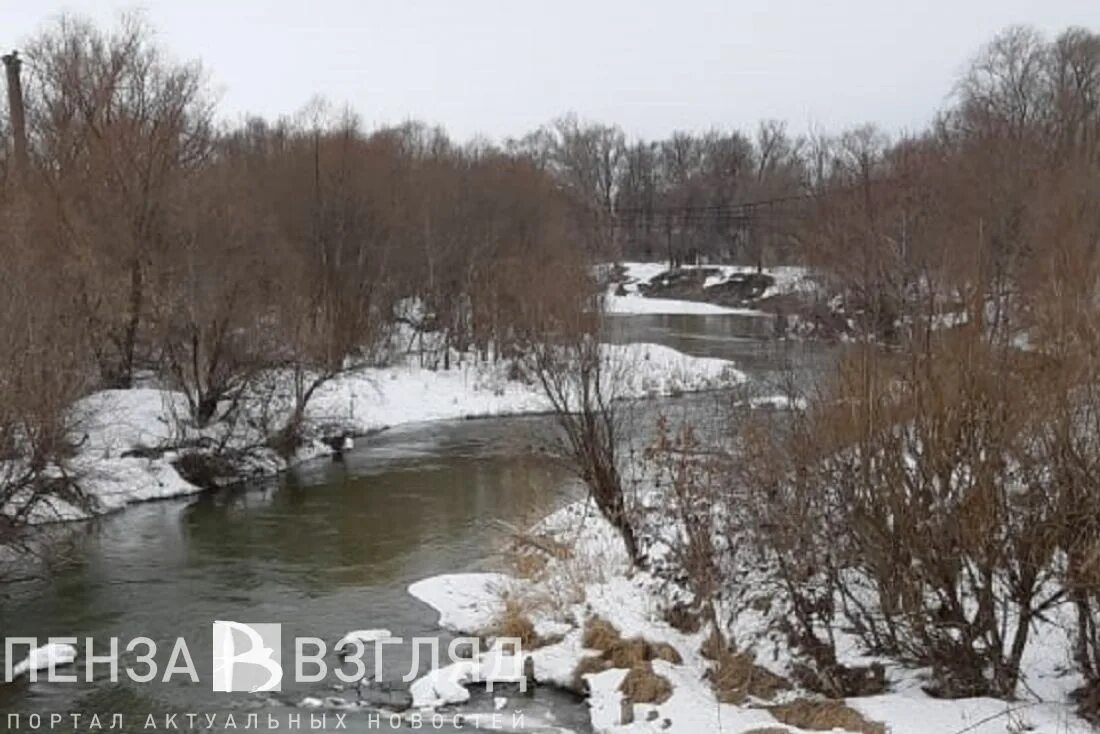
<point x="641" y="305"/>
<point x="112" y="424"/>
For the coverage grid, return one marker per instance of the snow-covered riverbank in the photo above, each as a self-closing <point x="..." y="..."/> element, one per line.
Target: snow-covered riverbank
<point x="129" y="440"/>
<point x="626" y="297"/>
<point x="589" y="593"/>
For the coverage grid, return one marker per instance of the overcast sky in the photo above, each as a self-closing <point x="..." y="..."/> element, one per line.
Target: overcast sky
<point x="502" y="67"/>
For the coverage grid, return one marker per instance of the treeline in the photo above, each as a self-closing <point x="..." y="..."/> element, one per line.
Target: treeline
<point x="935" y="494"/>
<point x="990" y="210"/>
<point x="142" y="243"/>
<point x="722" y="196"/>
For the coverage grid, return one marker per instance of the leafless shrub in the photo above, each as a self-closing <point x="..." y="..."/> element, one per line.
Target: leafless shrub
<point x="43" y="370"/>
<point x="115" y="129"/>
<point x="691" y="477"/>
<point x="211" y="314"/>
<point x="929" y="462"/>
<point x="643" y="685"/>
<point x="735" y="677"/>
<point x="581" y="383"/>
<point x="955" y="462"/>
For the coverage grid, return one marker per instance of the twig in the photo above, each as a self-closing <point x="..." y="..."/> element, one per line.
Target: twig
<point x="992" y="717"/>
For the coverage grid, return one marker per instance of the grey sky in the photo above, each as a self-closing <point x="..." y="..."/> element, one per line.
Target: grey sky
<point x="502" y="67"/>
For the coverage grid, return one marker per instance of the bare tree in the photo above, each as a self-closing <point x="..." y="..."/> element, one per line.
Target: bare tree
<point x="579" y="380"/>
<point x="116" y="128"/>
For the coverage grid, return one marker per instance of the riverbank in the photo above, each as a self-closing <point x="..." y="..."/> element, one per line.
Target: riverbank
<point x="596" y="626"/>
<point x="651" y="288"/>
<point x="794" y="297"/>
<point x="131" y="444"/>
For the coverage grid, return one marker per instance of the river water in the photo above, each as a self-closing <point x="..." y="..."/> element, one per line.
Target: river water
<point x="331" y="546"/>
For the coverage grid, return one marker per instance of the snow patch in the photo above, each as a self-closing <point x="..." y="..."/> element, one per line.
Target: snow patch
<point x="634" y="605"/>
<point x="466" y="602"/>
<point x="125" y="438"/>
<point x="447" y="685"/>
<point x="638" y="304"/>
<point x="787" y="279"/>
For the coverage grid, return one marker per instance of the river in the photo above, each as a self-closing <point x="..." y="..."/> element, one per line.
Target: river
<point x="331" y="546"/>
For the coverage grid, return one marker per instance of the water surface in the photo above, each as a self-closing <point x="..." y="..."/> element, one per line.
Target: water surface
<point x="332" y="546"/>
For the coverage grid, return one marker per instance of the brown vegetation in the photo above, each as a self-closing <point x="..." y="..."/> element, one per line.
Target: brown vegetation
<point x="935" y="492"/>
<point x="634" y="654"/>
<point x="599" y="634"/>
<point x="947" y="459"/>
<point x="718" y="194"/>
<point x="139" y="241"/>
<point x="513" y="622"/>
<point x="642" y="685"/>
<point x="825" y="716"/>
<point x="735" y="676"/>
<point x="250" y="264"/>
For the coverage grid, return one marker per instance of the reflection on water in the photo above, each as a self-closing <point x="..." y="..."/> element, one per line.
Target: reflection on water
<point x="331" y="546"/>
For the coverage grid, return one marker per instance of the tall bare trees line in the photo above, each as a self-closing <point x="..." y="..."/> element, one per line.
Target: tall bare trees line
<point x="968" y="208"/>
<point x="147" y="243"/>
<point x="671" y="198"/>
<point x="935" y="495"/>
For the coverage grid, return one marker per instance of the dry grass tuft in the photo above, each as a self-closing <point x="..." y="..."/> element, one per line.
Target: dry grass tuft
<point x="680" y="617"/>
<point x="633" y="654"/>
<point x="664" y="651"/>
<point x="825" y="716"/>
<point x="599" y="634"/>
<point x="527" y="554"/>
<point x="628" y="653"/>
<point x="642" y="685"/>
<point x="527" y="565"/>
<point x="514" y="622"/>
<point x="586" y="666"/>
<point x="714" y="646"/>
<point x="736" y="676"/>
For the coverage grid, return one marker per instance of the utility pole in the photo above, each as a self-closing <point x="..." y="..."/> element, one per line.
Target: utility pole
<point x="13" y="65"/>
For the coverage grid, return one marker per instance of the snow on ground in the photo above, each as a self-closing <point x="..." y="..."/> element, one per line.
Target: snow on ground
<point x="447" y="685"/>
<point x="788" y="279"/>
<point x="465" y="601"/>
<point x="378" y="398"/>
<point x="125" y="438"/>
<point x="115" y="483"/>
<point x="777" y="402"/>
<point x="603" y="586"/>
<point x="636" y="303"/>
<point x="115" y="421"/>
